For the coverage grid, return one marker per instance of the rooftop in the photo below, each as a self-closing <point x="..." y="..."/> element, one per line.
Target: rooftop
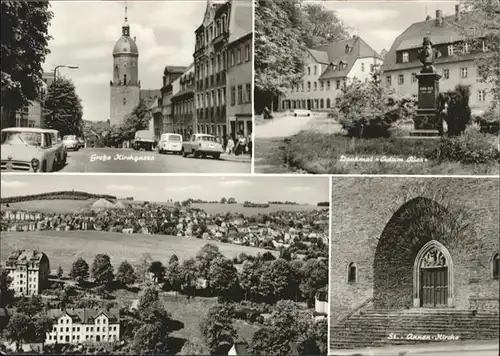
<point x="85" y="315"/>
<point x="26" y="256"/>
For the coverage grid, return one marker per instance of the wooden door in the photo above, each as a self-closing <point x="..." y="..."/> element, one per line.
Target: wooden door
<point x="434" y="287"/>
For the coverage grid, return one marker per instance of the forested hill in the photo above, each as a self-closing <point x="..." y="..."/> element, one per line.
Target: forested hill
<point x="70" y="194"/>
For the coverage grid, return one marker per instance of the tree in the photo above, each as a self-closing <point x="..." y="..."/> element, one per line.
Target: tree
<point x="125" y="274"/>
<point x="249" y="278"/>
<point x="483" y="22"/>
<point x="19" y="329"/>
<point x="59" y="272"/>
<point x="314" y="275"/>
<point x="232" y="201"/>
<point x="158" y="271"/>
<point x="223" y="200"/>
<point x="322" y="26"/>
<point x="276" y="281"/>
<point x="204" y="258"/>
<point x="24" y="28"/>
<point x="41" y="326"/>
<point x="173" y="259"/>
<point x="217" y="328"/>
<point x="189" y="274"/>
<point x="314" y="341"/>
<point x="143" y="266"/>
<point x="102" y="270"/>
<point x="30" y="306"/>
<point x="63" y="108"/>
<point x="148" y="297"/>
<point x="137" y="120"/>
<point x="79" y="269"/>
<point x="222" y="275"/>
<point x="6" y="294"/>
<point x="149" y="339"/>
<point x="174" y="275"/>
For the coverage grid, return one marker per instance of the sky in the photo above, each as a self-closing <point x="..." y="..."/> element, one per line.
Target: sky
<point x="303" y="190"/>
<point x="380" y="22"/>
<point x="84" y="33"/>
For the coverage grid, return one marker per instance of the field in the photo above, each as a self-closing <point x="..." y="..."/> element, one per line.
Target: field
<point x="64" y="247"/>
<point x="240" y="209"/>
<point x="51" y="206"/>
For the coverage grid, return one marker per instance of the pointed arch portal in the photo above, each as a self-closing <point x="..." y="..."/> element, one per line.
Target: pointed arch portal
<point x="433" y="277"/>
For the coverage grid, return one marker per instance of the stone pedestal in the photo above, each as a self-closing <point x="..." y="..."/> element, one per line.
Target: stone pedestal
<point x="428" y="90"/>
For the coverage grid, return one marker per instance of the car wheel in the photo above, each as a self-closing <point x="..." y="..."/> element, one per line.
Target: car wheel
<point x="44" y="167"/>
<point x="295" y="114"/>
<point x="216" y="156"/>
<point x="184" y="153"/>
<point x="195" y="154"/>
<point x="65" y="159"/>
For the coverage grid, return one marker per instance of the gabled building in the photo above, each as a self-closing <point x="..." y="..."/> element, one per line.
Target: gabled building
<point x="75" y="326"/>
<point x="456" y="62"/>
<point x="328" y="68"/>
<point x="29" y="271"/>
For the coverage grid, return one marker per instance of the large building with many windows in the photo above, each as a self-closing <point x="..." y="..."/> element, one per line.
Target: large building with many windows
<point x="75" y="326"/>
<point x="328" y="68"/>
<point x="210" y="60"/>
<point x="456" y="62"/>
<point x="29" y="271"/>
<point x="239" y="71"/>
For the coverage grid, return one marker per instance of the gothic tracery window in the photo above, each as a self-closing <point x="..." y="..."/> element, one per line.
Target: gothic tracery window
<point x="434" y="258"/>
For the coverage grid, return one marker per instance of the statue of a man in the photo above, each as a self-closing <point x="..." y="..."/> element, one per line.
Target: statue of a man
<point x="427" y="56"/>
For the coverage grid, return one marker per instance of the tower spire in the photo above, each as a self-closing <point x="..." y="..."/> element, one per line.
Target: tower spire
<point x="126" y="27"/>
<point x="126" y="11"/>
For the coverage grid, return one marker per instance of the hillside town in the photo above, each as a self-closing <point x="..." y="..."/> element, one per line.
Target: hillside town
<point x="96" y="309"/>
<point x="301" y="230"/>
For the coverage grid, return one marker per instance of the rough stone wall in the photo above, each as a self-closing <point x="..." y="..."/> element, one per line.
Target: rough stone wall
<point x="361" y="211"/>
<point x="126" y="64"/>
<point x="119" y="108"/>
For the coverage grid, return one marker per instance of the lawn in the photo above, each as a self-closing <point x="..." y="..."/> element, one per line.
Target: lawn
<point x="240" y="209"/>
<point x="64" y="247"/>
<point x="322" y="153"/>
<point x="52" y="206"/>
<point x="270" y="156"/>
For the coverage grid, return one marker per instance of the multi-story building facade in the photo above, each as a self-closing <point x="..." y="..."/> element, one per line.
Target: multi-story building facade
<point x="75" y="326"/>
<point x="29" y="271"/>
<point x="182" y="101"/>
<point x="170" y="74"/>
<point x="210" y="60"/>
<point x="456" y="63"/>
<point x="328" y="68"/>
<point x="239" y="69"/>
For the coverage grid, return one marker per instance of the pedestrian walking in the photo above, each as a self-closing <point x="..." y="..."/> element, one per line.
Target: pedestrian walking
<point x="230" y="145"/>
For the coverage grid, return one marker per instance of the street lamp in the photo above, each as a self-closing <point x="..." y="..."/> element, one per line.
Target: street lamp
<point x="70" y="66"/>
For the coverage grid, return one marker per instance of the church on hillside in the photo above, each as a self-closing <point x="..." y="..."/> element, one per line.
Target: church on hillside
<point x="413" y="256"/>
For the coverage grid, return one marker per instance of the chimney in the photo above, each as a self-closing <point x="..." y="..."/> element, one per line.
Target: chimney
<point x="439" y="17"/>
<point x="458" y="13"/>
<point x="427" y="18"/>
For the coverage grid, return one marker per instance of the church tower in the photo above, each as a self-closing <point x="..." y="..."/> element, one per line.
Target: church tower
<point x="125" y="86"/>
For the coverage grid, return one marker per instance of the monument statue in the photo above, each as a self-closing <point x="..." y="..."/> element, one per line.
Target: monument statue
<point x="427" y="56"/>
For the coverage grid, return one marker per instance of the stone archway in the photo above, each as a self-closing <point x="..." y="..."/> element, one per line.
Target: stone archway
<point x="415" y="224"/>
<point x="433" y="276"/>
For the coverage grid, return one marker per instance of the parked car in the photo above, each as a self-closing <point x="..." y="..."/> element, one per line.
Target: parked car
<point x="170" y="142"/>
<point x="61" y="153"/>
<point x="144" y="139"/>
<point x="27" y="149"/>
<point x="301" y="112"/>
<point x="202" y="145"/>
<point x="71" y="142"/>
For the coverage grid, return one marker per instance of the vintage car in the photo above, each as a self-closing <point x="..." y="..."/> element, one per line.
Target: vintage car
<point x="144" y="139"/>
<point x="202" y="145"/>
<point x="301" y="112"/>
<point x="57" y="142"/>
<point x="170" y="142"/>
<point x="27" y="149"/>
<point x="71" y="142"/>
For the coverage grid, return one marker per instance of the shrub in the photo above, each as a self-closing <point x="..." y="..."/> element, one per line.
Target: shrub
<point x="490" y="122"/>
<point x="470" y="148"/>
